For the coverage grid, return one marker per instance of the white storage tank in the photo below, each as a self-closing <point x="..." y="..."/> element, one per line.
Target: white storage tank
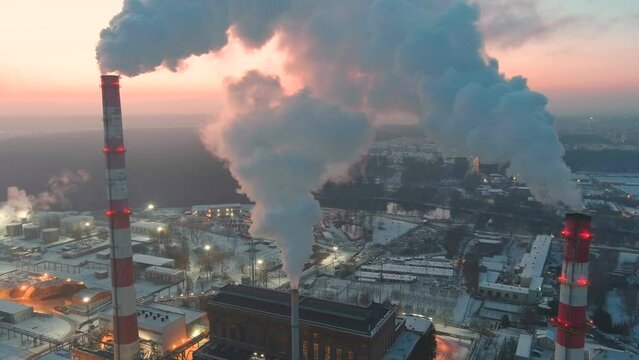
<point x="14" y="229"/>
<point x="74" y="224"/>
<point x="31" y="231"/>
<point x="50" y="235"/>
<point x="48" y="219"/>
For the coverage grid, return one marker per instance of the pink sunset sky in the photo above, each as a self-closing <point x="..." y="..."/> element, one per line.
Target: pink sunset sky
<point x="582" y="54"/>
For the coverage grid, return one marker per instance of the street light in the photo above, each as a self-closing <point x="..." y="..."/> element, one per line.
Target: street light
<point x="261" y="270"/>
<point x="207" y="247"/>
<point x="335" y="248"/>
<point x="150" y="207"/>
<point x="87" y="224"/>
<point x="160" y="229"/>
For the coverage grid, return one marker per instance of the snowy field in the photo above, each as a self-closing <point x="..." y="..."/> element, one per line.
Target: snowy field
<point x="386" y="229"/>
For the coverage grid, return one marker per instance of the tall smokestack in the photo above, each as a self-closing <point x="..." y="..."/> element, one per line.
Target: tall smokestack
<point x="125" y="322"/>
<point x="573" y="297"/>
<point x="295" y="324"/>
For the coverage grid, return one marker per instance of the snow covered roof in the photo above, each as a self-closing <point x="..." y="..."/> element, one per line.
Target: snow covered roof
<point x="418" y="324"/>
<point x="406" y="269"/>
<point x="524" y="346"/>
<point x="503" y="287"/>
<point x="403" y="346"/>
<point x="510" y="308"/>
<point x="163" y="270"/>
<point x="148" y="225"/>
<point x="191" y="315"/>
<point x="10" y="307"/>
<point x="152" y="260"/>
<point x="534" y="265"/>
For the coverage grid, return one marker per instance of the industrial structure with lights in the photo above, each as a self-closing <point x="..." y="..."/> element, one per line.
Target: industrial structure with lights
<point x="571" y="322"/>
<point x="125" y="327"/>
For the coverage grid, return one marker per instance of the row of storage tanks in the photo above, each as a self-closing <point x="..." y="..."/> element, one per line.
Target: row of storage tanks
<point x="49" y="226"/>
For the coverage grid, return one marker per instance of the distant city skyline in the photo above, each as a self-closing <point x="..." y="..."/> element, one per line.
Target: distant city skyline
<point x="580" y="53"/>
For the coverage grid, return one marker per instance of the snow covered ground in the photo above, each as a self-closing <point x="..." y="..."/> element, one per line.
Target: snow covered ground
<point x="386" y="229"/>
<point x="17" y="347"/>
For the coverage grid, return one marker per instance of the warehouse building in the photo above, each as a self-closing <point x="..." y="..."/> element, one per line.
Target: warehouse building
<point x="86" y="301"/>
<point x="13" y="312"/>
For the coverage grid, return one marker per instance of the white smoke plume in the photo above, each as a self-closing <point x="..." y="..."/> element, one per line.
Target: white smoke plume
<point x="20" y="205"/>
<point x="280" y="149"/>
<point x="423" y="59"/>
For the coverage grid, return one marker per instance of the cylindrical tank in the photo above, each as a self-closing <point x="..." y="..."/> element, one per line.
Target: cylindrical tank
<point x="31" y="231"/>
<point x="14" y="230"/>
<point x="50" y="235"/>
<point x="75" y="224"/>
<point x="48" y="220"/>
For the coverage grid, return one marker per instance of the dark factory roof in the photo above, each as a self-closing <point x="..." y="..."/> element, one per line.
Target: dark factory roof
<point x="313" y="311"/>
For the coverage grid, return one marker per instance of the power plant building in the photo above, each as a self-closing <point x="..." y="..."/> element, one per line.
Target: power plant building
<point x="245" y="320"/>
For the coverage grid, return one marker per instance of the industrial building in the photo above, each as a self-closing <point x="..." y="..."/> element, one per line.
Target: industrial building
<point x="148" y="227"/>
<point x="530" y="270"/>
<point x="246" y="320"/>
<point x="86" y="301"/>
<point x="13" y="312"/>
<point x="143" y="261"/>
<point x="164" y="326"/>
<point x="412" y="343"/>
<point x="221" y="210"/>
<point x="163" y="274"/>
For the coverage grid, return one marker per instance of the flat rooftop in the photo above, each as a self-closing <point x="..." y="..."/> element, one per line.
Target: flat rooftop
<point x="313" y="311"/>
<point x="152" y="260"/>
<point x="11" y="307"/>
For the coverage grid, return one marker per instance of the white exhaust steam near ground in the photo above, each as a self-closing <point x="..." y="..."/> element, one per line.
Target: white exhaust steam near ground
<point x="358" y="60"/>
<point x="20" y="205"/>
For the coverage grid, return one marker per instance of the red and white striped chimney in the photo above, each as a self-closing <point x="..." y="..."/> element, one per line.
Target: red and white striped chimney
<point x="125" y="321"/>
<point x="571" y="322"/>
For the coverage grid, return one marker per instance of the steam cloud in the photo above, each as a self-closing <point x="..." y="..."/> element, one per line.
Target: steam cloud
<point x="20" y="205"/>
<point x="423" y="59"/>
<point x="281" y="148"/>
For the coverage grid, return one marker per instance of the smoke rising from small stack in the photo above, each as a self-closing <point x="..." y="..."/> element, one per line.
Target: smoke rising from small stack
<point x="280" y="149"/>
<point x="19" y="204"/>
<point x="422" y="59"/>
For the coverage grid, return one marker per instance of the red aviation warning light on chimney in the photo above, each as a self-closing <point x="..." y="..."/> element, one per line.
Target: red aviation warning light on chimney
<point x="125" y="322"/>
<point x="571" y="322"/>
